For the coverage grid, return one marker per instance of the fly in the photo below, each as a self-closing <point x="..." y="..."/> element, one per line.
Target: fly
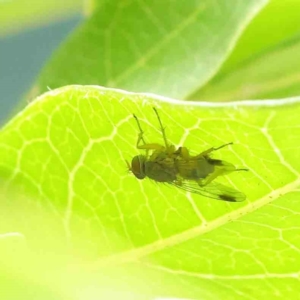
<point x="177" y="167"/>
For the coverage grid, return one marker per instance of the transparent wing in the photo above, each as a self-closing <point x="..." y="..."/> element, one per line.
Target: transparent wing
<point x="213" y="190"/>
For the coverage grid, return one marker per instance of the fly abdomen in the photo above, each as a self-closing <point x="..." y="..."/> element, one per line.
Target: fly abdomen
<point x="195" y="168"/>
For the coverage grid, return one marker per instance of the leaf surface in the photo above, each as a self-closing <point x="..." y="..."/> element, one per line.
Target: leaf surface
<point x="77" y="204"/>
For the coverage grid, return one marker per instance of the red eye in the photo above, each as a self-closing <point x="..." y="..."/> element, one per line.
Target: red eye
<point x="138" y="166"/>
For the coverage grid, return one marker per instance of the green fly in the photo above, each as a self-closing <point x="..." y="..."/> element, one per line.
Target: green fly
<point x="177" y="167"/>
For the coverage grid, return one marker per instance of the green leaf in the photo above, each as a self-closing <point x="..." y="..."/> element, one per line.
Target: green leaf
<point x="264" y="62"/>
<point x="273" y="74"/>
<point x="18" y="15"/>
<point x="277" y="23"/>
<point x="169" y="48"/>
<point x="97" y="230"/>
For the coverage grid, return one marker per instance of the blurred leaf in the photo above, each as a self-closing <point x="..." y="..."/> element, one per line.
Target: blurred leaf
<point x="276" y="24"/>
<point x="66" y="152"/>
<point x="165" y="47"/>
<point x="18" y="15"/>
<point x="264" y="62"/>
<point x="273" y="74"/>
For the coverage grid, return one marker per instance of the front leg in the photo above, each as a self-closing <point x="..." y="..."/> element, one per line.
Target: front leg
<point x="144" y="146"/>
<point x="147" y="147"/>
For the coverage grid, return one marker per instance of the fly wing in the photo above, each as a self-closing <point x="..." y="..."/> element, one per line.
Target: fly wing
<point x="213" y="190"/>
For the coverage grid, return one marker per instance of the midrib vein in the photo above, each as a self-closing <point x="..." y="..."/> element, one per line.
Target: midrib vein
<point x="135" y="254"/>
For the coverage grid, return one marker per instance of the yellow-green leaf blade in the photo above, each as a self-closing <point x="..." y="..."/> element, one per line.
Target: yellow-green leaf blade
<point x="67" y="151"/>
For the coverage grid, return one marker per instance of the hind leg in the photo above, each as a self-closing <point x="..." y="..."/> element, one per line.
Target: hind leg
<point x="208" y="151"/>
<point x="221" y="168"/>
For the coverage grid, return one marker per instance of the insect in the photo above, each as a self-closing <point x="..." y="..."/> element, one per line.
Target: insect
<point x="177" y="167"/>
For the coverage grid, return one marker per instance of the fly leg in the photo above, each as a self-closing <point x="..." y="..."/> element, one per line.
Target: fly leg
<point x="146" y="146"/>
<point x="183" y="152"/>
<point x="161" y="128"/>
<point x="210" y="177"/>
<point x="208" y="151"/>
<point x="221" y="168"/>
<point x="141" y="133"/>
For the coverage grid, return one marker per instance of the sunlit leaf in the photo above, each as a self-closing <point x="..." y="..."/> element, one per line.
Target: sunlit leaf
<point x="97" y="230"/>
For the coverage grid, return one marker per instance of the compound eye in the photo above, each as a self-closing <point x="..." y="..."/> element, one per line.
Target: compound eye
<point x="138" y="166"/>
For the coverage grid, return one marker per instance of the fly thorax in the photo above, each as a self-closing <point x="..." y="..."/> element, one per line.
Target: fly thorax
<point x="160" y="171"/>
<point x="159" y="156"/>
